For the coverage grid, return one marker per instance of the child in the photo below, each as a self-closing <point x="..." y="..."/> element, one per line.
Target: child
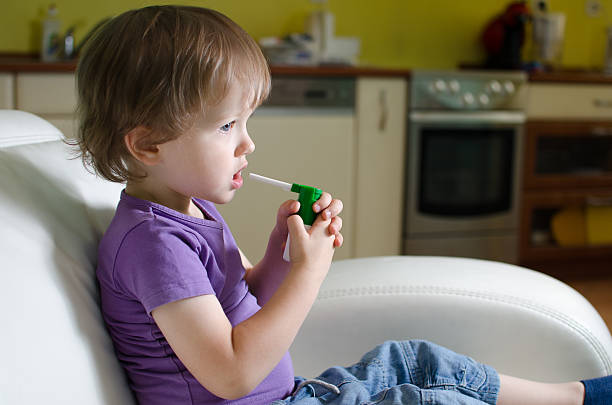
<point x="164" y="97"/>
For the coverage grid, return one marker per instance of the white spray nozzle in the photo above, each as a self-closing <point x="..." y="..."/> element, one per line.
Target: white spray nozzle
<point x="277" y="183"/>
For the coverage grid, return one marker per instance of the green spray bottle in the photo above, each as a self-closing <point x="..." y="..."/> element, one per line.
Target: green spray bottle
<point x="307" y="197"/>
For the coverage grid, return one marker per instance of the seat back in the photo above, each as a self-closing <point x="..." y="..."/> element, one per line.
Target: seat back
<point x="52" y="215"/>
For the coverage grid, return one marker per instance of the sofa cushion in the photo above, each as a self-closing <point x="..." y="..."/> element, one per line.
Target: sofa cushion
<point x="53" y="212"/>
<point x="20" y="127"/>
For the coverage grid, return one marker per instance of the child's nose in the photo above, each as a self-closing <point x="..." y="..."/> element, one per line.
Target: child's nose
<point x="247" y="146"/>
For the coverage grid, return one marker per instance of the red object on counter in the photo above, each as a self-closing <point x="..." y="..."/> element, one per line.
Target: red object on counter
<point x="504" y="36"/>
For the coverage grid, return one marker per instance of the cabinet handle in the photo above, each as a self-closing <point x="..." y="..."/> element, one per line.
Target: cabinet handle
<point x="599" y="201"/>
<point x="601" y="103"/>
<point x="384" y="111"/>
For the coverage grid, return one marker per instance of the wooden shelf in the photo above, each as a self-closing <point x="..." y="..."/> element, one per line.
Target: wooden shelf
<point x="557" y="200"/>
<point x="545" y="194"/>
<point x="571" y="269"/>
<point x="562" y="253"/>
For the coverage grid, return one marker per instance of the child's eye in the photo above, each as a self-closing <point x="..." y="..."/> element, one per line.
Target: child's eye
<point x="227" y="127"/>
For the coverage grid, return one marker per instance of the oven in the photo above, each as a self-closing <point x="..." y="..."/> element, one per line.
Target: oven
<point x="465" y="135"/>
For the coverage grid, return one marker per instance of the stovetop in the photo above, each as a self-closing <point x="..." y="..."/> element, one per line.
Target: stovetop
<point x="467" y="90"/>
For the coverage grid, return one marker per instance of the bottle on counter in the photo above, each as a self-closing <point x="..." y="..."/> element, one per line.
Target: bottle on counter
<point x="608" y="60"/>
<point x="68" y="50"/>
<point x="51" y="43"/>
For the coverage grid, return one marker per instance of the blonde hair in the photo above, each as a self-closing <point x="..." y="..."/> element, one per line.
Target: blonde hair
<point x="159" y="67"/>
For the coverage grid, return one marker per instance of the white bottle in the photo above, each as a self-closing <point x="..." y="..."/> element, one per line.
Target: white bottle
<point x="51" y="43"/>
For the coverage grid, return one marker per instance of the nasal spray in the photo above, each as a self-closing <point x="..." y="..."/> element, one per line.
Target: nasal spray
<point x="307" y="196"/>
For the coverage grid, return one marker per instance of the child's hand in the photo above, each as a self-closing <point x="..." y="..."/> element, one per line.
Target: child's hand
<point x="286" y="209"/>
<point x="330" y="208"/>
<point x="327" y="208"/>
<point x="313" y="248"/>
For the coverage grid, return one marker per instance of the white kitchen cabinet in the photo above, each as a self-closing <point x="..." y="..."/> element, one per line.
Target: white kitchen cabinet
<point x="569" y="101"/>
<point x="381" y="132"/>
<point x="49" y="95"/>
<point x="7" y="96"/>
<point x="306" y="146"/>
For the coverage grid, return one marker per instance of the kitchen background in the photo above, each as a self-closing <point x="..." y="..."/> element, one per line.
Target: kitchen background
<point x="393" y="33"/>
<point x="397" y="38"/>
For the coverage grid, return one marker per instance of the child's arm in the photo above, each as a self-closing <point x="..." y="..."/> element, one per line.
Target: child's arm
<point x="231" y="362"/>
<point x="264" y="278"/>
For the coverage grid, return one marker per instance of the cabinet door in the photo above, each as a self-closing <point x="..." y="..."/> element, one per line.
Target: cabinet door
<point x="381" y="133"/>
<point x="7" y="98"/>
<point x="303" y="146"/>
<point x="46" y="93"/>
<point x="51" y="96"/>
<point x="568" y="154"/>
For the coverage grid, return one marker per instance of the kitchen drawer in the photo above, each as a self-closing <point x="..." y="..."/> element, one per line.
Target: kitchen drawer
<point x="569" y="101"/>
<point x="7" y="85"/>
<point x="46" y="93"/>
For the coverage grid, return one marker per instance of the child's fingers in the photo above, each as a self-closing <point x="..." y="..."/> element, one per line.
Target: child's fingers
<point x="335" y="225"/>
<point x="327" y="206"/>
<point x="296" y="227"/>
<point x="334" y="209"/>
<point x="339" y="240"/>
<point x="320" y="229"/>
<point x="321" y="222"/>
<point x="285" y="210"/>
<point x="288" y="207"/>
<point x="322" y="203"/>
<point x="334" y="229"/>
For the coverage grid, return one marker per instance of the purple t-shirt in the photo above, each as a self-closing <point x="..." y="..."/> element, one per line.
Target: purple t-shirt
<point x="152" y="255"/>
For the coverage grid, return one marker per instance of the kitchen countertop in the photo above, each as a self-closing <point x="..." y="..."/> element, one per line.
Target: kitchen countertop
<point x="31" y="63"/>
<point x="338" y="71"/>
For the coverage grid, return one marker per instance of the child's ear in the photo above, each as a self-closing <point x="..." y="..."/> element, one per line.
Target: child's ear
<point x="139" y="143"/>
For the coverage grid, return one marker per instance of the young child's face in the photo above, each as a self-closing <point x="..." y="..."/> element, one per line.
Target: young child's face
<point x="207" y="161"/>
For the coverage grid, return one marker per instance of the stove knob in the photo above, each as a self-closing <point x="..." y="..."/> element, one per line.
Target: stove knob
<point x="454" y="86"/>
<point x="484" y="99"/>
<point x="494" y="86"/>
<point x="509" y="87"/>
<point x="440" y="86"/>
<point x="468" y="98"/>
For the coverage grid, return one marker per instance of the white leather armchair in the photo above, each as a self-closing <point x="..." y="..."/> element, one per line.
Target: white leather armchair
<point x="56" y="350"/>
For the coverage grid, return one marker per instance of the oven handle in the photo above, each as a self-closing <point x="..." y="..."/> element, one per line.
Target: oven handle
<point x="468" y="117"/>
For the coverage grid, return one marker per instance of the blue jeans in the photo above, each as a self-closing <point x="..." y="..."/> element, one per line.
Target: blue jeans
<point x="404" y="372"/>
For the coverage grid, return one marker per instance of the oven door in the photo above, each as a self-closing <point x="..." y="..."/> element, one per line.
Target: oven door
<point x="463" y="171"/>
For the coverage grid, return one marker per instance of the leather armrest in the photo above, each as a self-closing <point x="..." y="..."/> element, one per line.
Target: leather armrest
<point x="519" y="321"/>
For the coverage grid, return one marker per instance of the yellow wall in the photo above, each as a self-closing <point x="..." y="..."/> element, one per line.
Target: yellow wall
<point x="394" y="33"/>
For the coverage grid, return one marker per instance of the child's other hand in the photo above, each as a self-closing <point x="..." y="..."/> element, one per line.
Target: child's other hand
<point x="329" y="208"/>
<point x="285" y="210"/>
<point x="313" y="248"/>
